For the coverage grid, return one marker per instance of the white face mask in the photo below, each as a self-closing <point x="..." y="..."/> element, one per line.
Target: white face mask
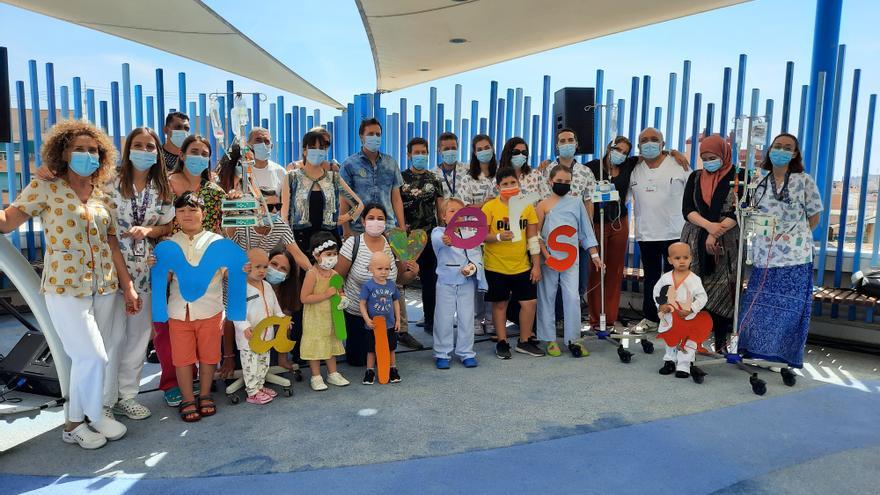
<point x="328" y="262"/>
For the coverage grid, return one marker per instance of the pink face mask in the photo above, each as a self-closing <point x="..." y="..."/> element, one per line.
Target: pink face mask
<point x="374" y="228"/>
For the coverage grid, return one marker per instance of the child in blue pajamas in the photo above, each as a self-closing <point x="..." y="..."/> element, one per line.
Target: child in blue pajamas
<point x="557" y="210"/>
<point x="459" y="276"/>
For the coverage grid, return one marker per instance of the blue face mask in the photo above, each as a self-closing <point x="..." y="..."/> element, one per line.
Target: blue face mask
<point x="316" y="156"/>
<point x="449" y="156"/>
<point x="177" y="137"/>
<point x="372" y="143"/>
<point x="712" y="165"/>
<point x="275" y="276"/>
<point x="518" y="160"/>
<point x="196" y="164"/>
<point x="420" y="162"/>
<point x="84" y="164"/>
<point x="567" y="150"/>
<point x="780" y="157"/>
<point x="650" y="150"/>
<point x="261" y="151"/>
<point x="484" y="156"/>
<point x="616" y="157"/>
<point x="142" y="160"/>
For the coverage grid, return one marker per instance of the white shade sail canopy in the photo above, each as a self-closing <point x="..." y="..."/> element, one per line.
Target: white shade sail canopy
<point x="414" y="41"/>
<point x="187" y="28"/>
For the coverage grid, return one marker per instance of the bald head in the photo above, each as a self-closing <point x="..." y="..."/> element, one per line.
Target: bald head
<point x="380" y="259"/>
<point x="679" y="248"/>
<point x="257" y="256"/>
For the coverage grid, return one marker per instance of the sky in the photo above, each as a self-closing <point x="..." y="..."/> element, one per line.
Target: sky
<point x="324" y="41"/>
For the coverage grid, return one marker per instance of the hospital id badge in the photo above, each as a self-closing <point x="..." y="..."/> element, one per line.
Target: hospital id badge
<point x="139" y="248"/>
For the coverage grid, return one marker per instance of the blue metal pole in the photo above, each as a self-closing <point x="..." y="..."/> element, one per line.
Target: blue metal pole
<point x="484" y="125"/>
<point x="475" y="121"/>
<point x="598" y="135"/>
<point x="441" y="110"/>
<point x="278" y="149"/>
<point x="230" y="102"/>
<point x="844" y="197"/>
<point x="256" y="109"/>
<point x="768" y="111"/>
<point x="493" y="105"/>
<point x="802" y="115"/>
<point x="288" y="139"/>
<point x="160" y="101"/>
<point x="432" y="127"/>
<point x="710" y="119"/>
<point x="508" y="115"/>
<point x="608" y="131"/>
<point x="377" y="104"/>
<point x="126" y="97"/>
<point x="401" y="149"/>
<point x="90" y="106"/>
<point x="151" y="116"/>
<point x="77" y="98"/>
<point x="545" y="119"/>
<point x="457" y="112"/>
<point x="12" y="184"/>
<point x="863" y="192"/>
<point x="36" y="118"/>
<point x="117" y="127"/>
<point x="499" y="138"/>
<point x="417" y="120"/>
<point x="633" y="109"/>
<point x="826" y="166"/>
<point x="25" y="162"/>
<point x="646" y="100"/>
<point x="105" y="126"/>
<point x="193" y="109"/>
<point x="351" y="128"/>
<point x="138" y="105"/>
<point x="518" y="112"/>
<point x="786" y="96"/>
<point x="725" y="102"/>
<point x="304" y="122"/>
<point x="381" y="116"/>
<point x="527" y="117"/>
<point x="274" y="128"/>
<point x="621" y="112"/>
<point x="658" y="117"/>
<point x="753" y="111"/>
<point x="203" y="114"/>
<point x="426" y="129"/>
<point x="181" y="92"/>
<point x="65" y="102"/>
<point x="695" y="129"/>
<point x="816" y="124"/>
<point x="826" y="36"/>
<point x="536" y="123"/>
<point x="682" y="119"/>
<point x="51" y="116"/>
<point x="740" y="97"/>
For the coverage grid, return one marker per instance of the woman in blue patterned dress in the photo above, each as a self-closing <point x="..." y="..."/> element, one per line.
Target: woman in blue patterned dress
<point x="775" y="310"/>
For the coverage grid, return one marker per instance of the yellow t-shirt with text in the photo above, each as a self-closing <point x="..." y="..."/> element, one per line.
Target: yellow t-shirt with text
<point x="507" y="257"/>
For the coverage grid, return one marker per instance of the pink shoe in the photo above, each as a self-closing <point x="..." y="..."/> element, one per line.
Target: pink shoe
<point x="259" y="398"/>
<point x="268" y="391"/>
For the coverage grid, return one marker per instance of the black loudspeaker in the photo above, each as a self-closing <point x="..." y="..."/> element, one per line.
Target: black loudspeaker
<point x="5" y="107"/>
<point x="573" y="108"/>
<point x="31" y="360"/>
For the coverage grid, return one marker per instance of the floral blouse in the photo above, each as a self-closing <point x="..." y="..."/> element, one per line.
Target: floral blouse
<point x="78" y="261"/>
<point x="534" y="182"/>
<point x="790" y="207"/>
<point x="145" y="209"/>
<point x="583" y="182"/>
<point x="419" y="193"/>
<point x="477" y="191"/>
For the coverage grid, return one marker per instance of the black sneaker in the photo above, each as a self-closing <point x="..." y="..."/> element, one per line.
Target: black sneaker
<point x="369" y="377"/>
<point x="682" y="374"/>
<point x="529" y="347"/>
<point x="502" y="350"/>
<point x="407" y="340"/>
<point x="668" y="368"/>
<point x="394" y="376"/>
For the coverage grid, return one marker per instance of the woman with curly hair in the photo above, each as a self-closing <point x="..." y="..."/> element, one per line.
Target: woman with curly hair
<point x="83" y="271"/>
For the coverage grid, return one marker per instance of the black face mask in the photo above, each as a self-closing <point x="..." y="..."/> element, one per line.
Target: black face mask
<point x="560" y="189"/>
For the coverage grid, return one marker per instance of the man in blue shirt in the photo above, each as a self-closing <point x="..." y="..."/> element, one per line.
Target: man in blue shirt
<point x="374" y="177"/>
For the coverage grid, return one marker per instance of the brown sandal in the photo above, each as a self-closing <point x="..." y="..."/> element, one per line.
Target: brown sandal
<point x="190" y="416"/>
<point x="207" y="407"/>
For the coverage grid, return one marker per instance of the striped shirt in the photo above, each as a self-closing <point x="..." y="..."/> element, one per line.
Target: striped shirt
<point x="279" y="233"/>
<point x="359" y="272"/>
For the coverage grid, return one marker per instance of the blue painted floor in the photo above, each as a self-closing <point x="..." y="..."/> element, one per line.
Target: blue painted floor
<point x="756" y="447"/>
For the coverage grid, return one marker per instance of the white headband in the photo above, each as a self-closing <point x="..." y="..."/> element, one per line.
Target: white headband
<point x="327" y="244"/>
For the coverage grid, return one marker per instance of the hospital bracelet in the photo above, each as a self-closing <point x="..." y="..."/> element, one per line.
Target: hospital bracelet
<point x="594" y="255"/>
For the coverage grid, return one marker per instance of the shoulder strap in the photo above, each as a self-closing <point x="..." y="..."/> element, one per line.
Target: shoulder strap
<point x="355" y="247"/>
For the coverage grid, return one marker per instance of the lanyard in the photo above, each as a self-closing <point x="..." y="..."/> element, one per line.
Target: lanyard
<point x="139" y="213"/>
<point x="452" y="187"/>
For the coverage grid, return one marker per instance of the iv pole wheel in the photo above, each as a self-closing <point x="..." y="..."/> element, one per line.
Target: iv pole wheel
<point x="759" y="387"/>
<point x="788" y="377"/>
<point x="624" y="355"/>
<point x="647" y="346"/>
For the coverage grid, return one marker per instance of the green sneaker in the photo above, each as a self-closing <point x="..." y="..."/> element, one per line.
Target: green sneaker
<point x="578" y="349"/>
<point x="553" y="349"/>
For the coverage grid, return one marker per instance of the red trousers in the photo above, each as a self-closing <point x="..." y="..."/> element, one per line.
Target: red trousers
<point x="162" y="344"/>
<point x="616" y="239"/>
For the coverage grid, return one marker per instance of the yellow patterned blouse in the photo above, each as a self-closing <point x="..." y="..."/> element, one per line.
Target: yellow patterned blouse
<point x="78" y="261"/>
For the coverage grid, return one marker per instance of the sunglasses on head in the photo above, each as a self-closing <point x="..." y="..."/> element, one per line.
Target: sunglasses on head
<point x="519" y="152"/>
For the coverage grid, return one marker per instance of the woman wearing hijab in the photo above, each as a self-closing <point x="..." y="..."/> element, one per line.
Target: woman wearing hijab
<point x="711" y="230"/>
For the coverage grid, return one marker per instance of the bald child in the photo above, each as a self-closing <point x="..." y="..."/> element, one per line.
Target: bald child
<point x="380" y="297"/>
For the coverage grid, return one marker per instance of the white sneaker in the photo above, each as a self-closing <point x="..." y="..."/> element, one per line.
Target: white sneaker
<point x="337" y="379"/>
<point x="85" y="437"/>
<point x="317" y="383"/>
<point x="110" y="428"/>
<point x="643" y="326"/>
<point x="132" y="409"/>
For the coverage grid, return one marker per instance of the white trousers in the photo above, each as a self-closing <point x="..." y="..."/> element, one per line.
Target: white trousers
<point x="129" y="360"/>
<point x="81" y="324"/>
<point x="567" y="282"/>
<point x="254" y="368"/>
<point x="682" y="358"/>
<point x="455" y="305"/>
